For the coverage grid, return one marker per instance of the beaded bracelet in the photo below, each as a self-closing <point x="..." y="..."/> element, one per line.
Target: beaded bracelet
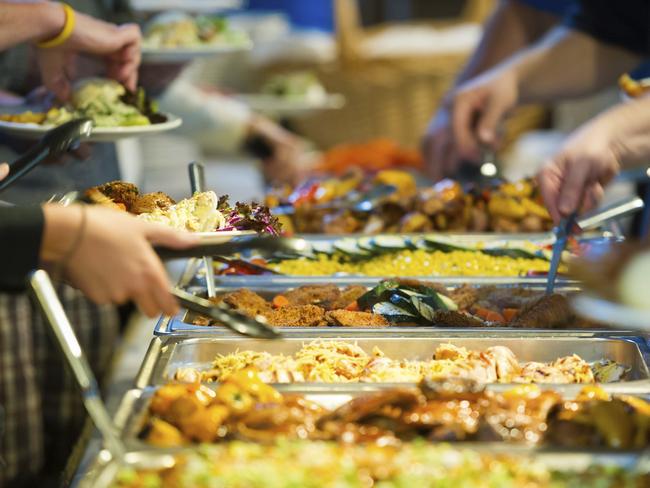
<point x="65" y="33"/>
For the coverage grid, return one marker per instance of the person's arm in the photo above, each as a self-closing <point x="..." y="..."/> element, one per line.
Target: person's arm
<point x="565" y="63"/>
<point x="513" y="25"/>
<point x="105" y="253"/>
<point x="29" y="22"/>
<point x="593" y="155"/>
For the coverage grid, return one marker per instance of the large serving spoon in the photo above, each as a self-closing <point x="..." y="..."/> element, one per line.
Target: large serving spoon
<point x="54" y="143"/>
<point x="55" y="317"/>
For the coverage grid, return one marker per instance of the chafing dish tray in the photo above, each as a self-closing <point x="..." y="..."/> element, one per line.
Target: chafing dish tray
<point x="183" y="323"/>
<point x="167" y="355"/>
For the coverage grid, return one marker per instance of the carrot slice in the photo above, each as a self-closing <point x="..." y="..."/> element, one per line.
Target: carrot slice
<point x="353" y="307"/>
<point x="510" y="313"/>
<point x="495" y="317"/>
<point x="482" y="312"/>
<point x="280" y="301"/>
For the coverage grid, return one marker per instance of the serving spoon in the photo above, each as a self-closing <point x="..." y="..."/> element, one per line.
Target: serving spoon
<point x="55" y="316"/>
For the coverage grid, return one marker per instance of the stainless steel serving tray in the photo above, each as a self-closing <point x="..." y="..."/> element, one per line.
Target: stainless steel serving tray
<point x="182" y="324"/>
<point x="166" y="355"/>
<point x="103" y="473"/>
<point x="194" y="274"/>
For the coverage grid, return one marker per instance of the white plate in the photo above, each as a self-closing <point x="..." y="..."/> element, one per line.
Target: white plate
<point x="186" y="54"/>
<point x="283" y="106"/>
<point x="99" y="134"/>
<point x="196" y="6"/>
<point x="611" y="313"/>
<point x="219" y="237"/>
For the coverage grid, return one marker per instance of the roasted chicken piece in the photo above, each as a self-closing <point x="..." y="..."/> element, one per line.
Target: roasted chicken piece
<point x="546" y="312"/>
<point x="119" y="192"/>
<point x="321" y="295"/>
<point x="345" y="318"/>
<point x="349" y="295"/>
<point x="247" y="302"/>
<point x="300" y="316"/>
<point x="149" y="202"/>
<point x="519" y="415"/>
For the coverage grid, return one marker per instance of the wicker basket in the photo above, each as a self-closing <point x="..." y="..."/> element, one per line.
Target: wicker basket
<point x="388" y="97"/>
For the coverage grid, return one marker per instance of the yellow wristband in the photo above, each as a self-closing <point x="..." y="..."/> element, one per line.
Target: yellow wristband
<point x="65" y="33"/>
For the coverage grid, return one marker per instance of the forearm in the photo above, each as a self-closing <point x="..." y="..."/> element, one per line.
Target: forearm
<point x="29" y="22"/>
<point x="566" y="64"/>
<point x="511" y="27"/>
<point x="629" y="126"/>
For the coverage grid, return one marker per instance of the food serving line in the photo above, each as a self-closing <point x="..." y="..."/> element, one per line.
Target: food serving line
<point x="179" y="344"/>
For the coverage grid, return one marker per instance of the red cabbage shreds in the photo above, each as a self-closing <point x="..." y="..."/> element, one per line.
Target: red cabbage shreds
<point x="249" y="217"/>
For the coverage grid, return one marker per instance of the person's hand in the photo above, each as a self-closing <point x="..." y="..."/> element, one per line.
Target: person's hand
<point x="118" y="46"/>
<point x="4" y="171"/>
<point x="114" y="261"/>
<point x="574" y="179"/>
<point x="438" y="148"/>
<point x="478" y="108"/>
<point x="288" y="162"/>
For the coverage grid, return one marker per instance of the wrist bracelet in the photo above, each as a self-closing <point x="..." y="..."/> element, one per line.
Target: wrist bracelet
<point x="81" y="230"/>
<point x="65" y="33"/>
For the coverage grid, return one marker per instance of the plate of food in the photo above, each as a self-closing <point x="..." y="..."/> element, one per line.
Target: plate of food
<point x="152" y="6"/>
<point x="206" y="214"/>
<point x="116" y="114"/>
<point x="293" y="94"/>
<point x="174" y="37"/>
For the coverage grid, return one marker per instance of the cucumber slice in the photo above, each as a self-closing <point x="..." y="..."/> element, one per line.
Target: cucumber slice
<point x="440" y="244"/>
<point x="390" y="243"/>
<point x="365" y="243"/>
<point x="350" y="247"/>
<point x="323" y="248"/>
<point x="393" y="313"/>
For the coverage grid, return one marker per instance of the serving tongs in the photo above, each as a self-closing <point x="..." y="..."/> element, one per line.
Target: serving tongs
<point x="264" y="245"/>
<point x="55" y="317"/>
<point x="56" y="142"/>
<point x="364" y="202"/>
<point x="223" y="314"/>
<point x="197" y="184"/>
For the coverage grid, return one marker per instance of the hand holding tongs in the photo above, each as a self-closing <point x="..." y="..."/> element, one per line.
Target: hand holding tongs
<point x="54" y="143"/>
<point x="235" y="321"/>
<point x="66" y="338"/>
<point x="562" y="233"/>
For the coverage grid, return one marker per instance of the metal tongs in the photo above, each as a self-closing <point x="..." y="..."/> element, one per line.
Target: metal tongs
<point x="197" y="184"/>
<point x="364" y="202"/>
<point x="235" y="321"/>
<point x="54" y="143"/>
<point x="562" y="233"/>
<point x="55" y="317"/>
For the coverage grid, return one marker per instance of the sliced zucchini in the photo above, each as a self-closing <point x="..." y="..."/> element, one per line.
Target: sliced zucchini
<point x="440" y="244"/>
<point x="323" y="248"/>
<point x="449" y="303"/>
<point x="390" y="243"/>
<point x="393" y="313"/>
<point x="365" y="243"/>
<point x="405" y="304"/>
<point x="423" y="306"/>
<point x="351" y="248"/>
<point x="379" y="293"/>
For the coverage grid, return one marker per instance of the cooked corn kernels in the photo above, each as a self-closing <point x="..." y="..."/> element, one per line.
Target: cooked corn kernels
<point x="414" y="263"/>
